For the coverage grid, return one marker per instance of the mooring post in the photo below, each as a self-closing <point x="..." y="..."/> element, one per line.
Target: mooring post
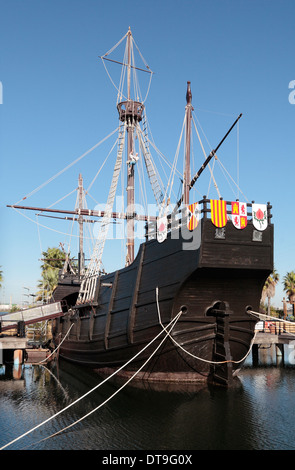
<point x="255" y="358"/>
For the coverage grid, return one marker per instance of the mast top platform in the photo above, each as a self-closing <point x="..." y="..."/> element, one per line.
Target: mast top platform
<point x="130" y="110"/>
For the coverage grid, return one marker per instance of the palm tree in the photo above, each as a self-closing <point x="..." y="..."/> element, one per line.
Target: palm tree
<point x="47" y="284"/>
<point x="53" y="261"/>
<point x="1" y="277"/>
<point x="269" y="288"/>
<point x="53" y="258"/>
<point x="289" y="287"/>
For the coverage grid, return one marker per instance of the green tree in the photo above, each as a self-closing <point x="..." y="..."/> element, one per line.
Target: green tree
<point x="53" y="261"/>
<point x="1" y="277"/>
<point x="269" y="288"/>
<point x="289" y="287"/>
<point x="53" y="258"/>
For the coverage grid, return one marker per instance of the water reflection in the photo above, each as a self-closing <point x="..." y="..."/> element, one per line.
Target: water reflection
<point x="257" y="413"/>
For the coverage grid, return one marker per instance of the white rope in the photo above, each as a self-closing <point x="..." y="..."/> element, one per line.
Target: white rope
<point x="112" y="81"/>
<point x="115" y="46"/>
<point x="221" y="165"/>
<point x="192" y="355"/>
<point x="270" y="317"/>
<point x="94" y="388"/>
<point x="42" y="225"/>
<point x="142" y="58"/>
<point x="67" y="167"/>
<point x="59" y="200"/>
<point x="119" y="389"/>
<point x="104" y="162"/>
<point x="204" y="153"/>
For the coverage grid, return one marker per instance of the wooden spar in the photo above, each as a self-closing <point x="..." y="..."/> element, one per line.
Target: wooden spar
<point x="210" y="156"/>
<point x="75" y="219"/>
<point x="84" y="212"/>
<point x="212" y="153"/>
<point x="126" y="65"/>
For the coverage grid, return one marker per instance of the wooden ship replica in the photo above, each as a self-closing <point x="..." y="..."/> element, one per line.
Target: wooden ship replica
<point x="179" y="310"/>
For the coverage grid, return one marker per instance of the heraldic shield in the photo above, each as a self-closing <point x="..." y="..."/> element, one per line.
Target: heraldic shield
<point x="259" y="214"/>
<point x="218" y="212"/>
<point x="239" y="214"/>
<point x="193" y="216"/>
<point x="161" y="229"/>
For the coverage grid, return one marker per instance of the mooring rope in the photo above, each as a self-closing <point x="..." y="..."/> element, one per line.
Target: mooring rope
<point x="192" y="355"/>
<point x="117" y="391"/>
<point x="172" y="323"/>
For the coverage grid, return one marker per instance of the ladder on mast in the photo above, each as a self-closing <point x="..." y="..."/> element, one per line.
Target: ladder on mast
<point x="89" y="281"/>
<point x="143" y="140"/>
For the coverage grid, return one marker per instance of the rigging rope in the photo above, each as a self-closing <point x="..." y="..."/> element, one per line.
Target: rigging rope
<point x="59" y="200"/>
<point x="219" y="162"/>
<point x="116" y="45"/>
<point x="137" y="92"/>
<point x="104" y="162"/>
<point x="41" y="225"/>
<point x="211" y="171"/>
<point x="67" y="167"/>
<point x="172" y="323"/>
<point x="118" y="90"/>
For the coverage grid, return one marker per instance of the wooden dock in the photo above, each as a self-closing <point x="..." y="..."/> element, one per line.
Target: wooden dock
<point x="272" y="338"/>
<point x="13" y="341"/>
<point x="274" y="335"/>
<point x="12" y="348"/>
<point x="274" y="332"/>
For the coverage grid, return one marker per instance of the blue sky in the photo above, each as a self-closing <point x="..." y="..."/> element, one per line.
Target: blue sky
<point x="57" y="102"/>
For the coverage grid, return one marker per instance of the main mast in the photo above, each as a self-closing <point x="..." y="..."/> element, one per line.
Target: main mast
<point x="130" y="112"/>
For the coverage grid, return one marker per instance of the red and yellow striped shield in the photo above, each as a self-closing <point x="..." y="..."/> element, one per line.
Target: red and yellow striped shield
<point x="218" y="212"/>
<point x="193" y="215"/>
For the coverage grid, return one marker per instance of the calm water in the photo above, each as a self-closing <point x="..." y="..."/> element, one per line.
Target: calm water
<point x="258" y="413"/>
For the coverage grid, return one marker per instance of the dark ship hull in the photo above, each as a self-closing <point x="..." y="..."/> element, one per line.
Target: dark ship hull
<point x="214" y="278"/>
<point x="67" y="289"/>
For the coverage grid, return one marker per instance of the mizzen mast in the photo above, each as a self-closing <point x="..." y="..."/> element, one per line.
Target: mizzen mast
<point x="187" y="172"/>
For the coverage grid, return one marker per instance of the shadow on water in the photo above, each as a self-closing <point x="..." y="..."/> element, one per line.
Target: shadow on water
<point x="257" y="413"/>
